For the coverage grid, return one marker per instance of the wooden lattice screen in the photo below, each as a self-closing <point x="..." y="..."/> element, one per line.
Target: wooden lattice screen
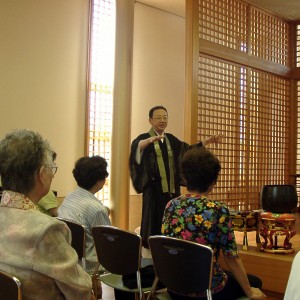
<point x="250" y="106"/>
<point x="298" y="46"/>
<point x="100" y="84"/>
<point x="297" y="175"/>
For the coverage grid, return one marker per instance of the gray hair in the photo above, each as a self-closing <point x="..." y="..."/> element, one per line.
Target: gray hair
<point x="22" y="154"/>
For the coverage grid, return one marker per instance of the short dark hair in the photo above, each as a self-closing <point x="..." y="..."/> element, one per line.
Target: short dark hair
<point x="200" y="169"/>
<point x="151" y="111"/>
<point x="88" y="170"/>
<point x="22" y="154"/>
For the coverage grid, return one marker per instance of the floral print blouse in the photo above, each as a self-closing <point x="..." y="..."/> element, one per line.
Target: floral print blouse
<point x="199" y="219"/>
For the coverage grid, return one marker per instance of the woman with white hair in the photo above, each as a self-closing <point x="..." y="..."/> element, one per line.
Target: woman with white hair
<point x="35" y="247"/>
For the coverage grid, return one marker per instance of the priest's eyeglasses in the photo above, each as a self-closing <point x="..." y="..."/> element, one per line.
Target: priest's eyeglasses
<point x="164" y="118"/>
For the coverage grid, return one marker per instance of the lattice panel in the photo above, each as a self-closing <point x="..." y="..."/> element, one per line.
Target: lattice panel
<point x="297" y="175"/>
<point x="237" y="25"/>
<point x="100" y="120"/>
<point x="223" y="22"/>
<point x="247" y="107"/>
<point x="298" y="131"/>
<point x="218" y="112"/>
<point x="269" y="119"/>
<point x="269" y="37"/>
<point x="298" y="46"/>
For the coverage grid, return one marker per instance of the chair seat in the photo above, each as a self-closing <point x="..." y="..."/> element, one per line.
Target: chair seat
<point x="162" y="296"/>
<point x="145" y="261"/>
<point x="115" y="281"/>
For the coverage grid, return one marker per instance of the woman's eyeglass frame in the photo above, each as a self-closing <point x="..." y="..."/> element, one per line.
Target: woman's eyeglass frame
<point x="53" y="168"/>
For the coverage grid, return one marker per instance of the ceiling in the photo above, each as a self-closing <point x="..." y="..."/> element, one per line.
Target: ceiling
<point x="287" y="9"/>
<point x="176" y="7"/>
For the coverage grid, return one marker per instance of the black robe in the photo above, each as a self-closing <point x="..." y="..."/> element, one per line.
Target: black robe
<point x="147" y="180"/>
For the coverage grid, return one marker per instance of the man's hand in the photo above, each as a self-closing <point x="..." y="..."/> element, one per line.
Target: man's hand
<point x="216" y="139"/>
<point x="146" y="142"/>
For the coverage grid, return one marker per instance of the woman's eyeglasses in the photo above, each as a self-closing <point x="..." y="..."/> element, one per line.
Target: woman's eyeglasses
<point x="53" y="168"/>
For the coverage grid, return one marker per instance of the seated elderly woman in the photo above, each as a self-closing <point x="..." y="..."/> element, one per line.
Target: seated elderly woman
<point x="197" y="218"/>
<point x="83" y="207"/>
<point x="35" y="247"/>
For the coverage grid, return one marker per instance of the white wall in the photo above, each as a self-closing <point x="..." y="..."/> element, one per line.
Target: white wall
<point x="43" y="56"/>
<point x="158" y="69"/>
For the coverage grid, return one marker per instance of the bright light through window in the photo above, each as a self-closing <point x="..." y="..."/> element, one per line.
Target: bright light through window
<point x="101" y="75"/>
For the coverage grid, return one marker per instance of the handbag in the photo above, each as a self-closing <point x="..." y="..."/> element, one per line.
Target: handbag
<point x="147" y="278"/>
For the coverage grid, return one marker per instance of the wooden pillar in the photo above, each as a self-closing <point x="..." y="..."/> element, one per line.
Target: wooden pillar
<point x="119" y="192"/>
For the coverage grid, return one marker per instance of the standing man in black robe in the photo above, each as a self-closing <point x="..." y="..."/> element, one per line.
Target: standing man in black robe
<point x="154" y="169"/>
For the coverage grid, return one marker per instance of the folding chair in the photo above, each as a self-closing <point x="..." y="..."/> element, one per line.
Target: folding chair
<point x="119" y="252"/>
<point x="182" y="266"/>
<point x="10" y="287"/>
<point x="78" y="238"/>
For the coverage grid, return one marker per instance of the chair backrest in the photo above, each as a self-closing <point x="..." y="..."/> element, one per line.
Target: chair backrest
<point x="10" y="287"/>
<point x="78" y="238"/>
<point x="118" y="251"/>
<point x="182" y="266"/>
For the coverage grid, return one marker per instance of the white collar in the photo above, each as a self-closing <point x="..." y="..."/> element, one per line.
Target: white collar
<point x="163" y="134"/>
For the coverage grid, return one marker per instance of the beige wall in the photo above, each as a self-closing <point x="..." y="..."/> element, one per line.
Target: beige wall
<point x="43" y="59"/>
<point x="158" y="68"/>
<point x="158" y="78"/>
<point x="43" y="55"/>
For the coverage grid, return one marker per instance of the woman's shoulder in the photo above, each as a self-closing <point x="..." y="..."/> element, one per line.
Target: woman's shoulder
<point x="34" y="224"/>
<point x="44" y="222"/>
<point x="221" y="205"/>
<point x="216" y="205"/>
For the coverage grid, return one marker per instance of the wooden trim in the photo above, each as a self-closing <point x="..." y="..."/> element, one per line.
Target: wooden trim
<point x="293" y="131"/>
<point x="192" y="60"/>
<point x="119" y="190"/>
<point x="295" y="74"/>
<point x="88" y="90"/>
<point x="238" y="57"/>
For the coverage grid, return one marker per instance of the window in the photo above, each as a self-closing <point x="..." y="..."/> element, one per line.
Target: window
<point x="247" y="104"/>
<point x="100" y="83"/>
